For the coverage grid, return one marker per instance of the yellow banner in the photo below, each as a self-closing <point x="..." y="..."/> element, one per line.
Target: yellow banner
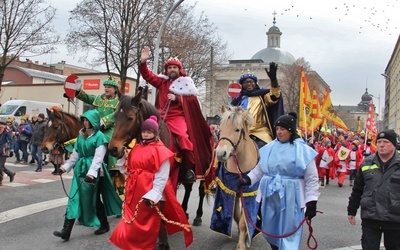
<point x="329" y="112"/>
<point x="316" y="115"/>
<point x="305" y="103"/>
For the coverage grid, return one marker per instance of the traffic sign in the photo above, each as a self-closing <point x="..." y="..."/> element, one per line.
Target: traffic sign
<point x="70" y="86"/>
<point x="234" y="89"/>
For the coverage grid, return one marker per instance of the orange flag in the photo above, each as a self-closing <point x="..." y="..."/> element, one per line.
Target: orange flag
<point x="305" y="103"/>
<point x="315" y="110"/>
<point x="330" y="113"/>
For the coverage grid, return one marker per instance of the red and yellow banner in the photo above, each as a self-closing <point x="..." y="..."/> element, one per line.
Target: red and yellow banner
<point x="305" y="103"/>
<point x="316" y="114"/>
<point x="329" y="112"/>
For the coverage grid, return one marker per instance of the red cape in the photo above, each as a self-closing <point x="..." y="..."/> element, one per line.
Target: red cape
<point x="199" y="134"/>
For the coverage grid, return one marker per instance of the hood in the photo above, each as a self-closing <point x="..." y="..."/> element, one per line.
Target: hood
<point x="93" y="117"/>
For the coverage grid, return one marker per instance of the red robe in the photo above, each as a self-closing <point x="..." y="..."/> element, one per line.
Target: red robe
<point x="143" y="162"/>
<point x="184" y="119"/>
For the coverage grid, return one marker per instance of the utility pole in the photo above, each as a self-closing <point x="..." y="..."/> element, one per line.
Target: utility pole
<point x="211" y="80"/>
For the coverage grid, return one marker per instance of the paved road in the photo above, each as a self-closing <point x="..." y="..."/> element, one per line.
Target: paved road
<point x="32" y="207"/>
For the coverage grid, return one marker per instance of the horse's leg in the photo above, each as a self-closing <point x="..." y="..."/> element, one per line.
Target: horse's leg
<point x="197" y="221"/>
<point x="242" y="232"/>
<point x="188" y="190"/>
<point x="236" y="209"/>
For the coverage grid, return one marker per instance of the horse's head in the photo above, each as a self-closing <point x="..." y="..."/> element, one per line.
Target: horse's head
<point x="61" y="127"/>
<point x="127" y="121"/>
<point x="234" y="129"/>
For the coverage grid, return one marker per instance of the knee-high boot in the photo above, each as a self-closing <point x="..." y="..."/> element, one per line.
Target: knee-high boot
<point x="101" y="211"/>
<point x="104" y="225"/>
<point x="65" y="232"/>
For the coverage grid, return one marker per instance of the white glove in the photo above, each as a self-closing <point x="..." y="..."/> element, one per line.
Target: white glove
<point x="78" y="85"/>
<point x="121" y="164"/>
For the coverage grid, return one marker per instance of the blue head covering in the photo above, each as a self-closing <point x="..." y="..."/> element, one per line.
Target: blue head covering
<point x="248" y="75"/>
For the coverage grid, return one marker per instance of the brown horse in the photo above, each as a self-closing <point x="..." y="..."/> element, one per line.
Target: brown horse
<point x="129" y="116"/>
<point x="61" y="127"/>
<point x="238" y="154"/>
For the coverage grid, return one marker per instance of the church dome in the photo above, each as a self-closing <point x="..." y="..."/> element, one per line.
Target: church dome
<point x="366" y="97"/>
<point x="274" y="54"/>
<point x="274" y="29"/>
<point x="273" y="51"/>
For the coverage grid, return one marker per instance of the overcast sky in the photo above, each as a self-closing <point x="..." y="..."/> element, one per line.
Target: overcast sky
<point x="349" y="43"/>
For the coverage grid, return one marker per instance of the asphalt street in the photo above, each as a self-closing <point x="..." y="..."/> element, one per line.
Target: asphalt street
<point x="32" y="207"/>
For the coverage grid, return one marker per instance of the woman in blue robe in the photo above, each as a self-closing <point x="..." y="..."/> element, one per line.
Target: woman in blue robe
<point x="288" y="184"/>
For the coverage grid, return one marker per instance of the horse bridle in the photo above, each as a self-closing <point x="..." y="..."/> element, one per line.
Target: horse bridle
<point x="63" y="128"/>
<point x="235" y="146"/>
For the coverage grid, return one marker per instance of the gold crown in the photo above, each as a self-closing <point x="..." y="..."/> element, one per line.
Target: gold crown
<point x="173" y="59"/>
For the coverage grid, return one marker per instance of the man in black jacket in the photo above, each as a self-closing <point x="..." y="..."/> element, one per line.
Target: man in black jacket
<point x="377" y="190"/>
<point x="38" y="130"/>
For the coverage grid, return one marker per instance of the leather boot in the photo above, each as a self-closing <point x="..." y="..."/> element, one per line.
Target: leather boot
<point x="56" y="171"/>
<point x="65" y="233"/>
<point x="163" y="246"/>
<point x="321" y="182"/>
<point x="101" y="214"/>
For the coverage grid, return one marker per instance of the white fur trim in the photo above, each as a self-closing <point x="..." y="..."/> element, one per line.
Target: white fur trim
<point x="163" y="76"/>
<point x="183" y="86"/>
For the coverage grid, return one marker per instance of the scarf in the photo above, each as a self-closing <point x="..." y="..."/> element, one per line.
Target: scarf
<point x="86" y="132"/>
<point x="257" y="91"/>
<point x="147" y="142"/>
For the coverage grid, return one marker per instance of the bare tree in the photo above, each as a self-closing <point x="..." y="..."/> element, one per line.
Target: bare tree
<point x="118" y="29"/>
<point x="26" y="30"/>
<point x="290" y="83"/>
<point x="115" y="30"/>
<point x="191" y="38"/>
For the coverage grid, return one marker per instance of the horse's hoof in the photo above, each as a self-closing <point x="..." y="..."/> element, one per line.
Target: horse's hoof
<point x="197" y="222"/>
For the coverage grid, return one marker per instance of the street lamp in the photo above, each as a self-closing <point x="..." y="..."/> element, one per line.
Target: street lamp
<point x="157" y="47"/>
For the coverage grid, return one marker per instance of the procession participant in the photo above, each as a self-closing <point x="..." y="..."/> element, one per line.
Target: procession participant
<point x="178" y="105"/>
<point x="265" y="105"/>
<point x="288" y="185"/>
<point x="106" y="104"/>
<point x="340" y="161"/>
<point x="5" y="146"/>
<point x="376" y="190"/>
<point x="23" y="135"/>
<point x="366" y="148"/>
<point x="38" y="130"/>
<point x="324" y="161"/>
<point x="90" y="181"/>
<point x="147" y="188"/>
<point x="355" y="158"/>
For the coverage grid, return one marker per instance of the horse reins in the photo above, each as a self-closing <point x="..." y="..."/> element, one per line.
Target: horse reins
<point x="65" y="190"/>
<point x="310" y="228"/>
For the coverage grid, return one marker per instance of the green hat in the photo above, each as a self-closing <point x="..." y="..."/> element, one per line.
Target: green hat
<point x="9" y="120"/>
<point x="110" y="82"/>
<point x="24" y="117"/>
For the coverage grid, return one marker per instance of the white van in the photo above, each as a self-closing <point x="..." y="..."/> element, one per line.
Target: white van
<point x="18" y="108"/>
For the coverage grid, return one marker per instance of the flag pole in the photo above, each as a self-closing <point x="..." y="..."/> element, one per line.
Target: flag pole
<point x="305" y="121"/>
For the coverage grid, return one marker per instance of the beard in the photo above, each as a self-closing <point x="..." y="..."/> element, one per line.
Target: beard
<point x="173" y="75"/>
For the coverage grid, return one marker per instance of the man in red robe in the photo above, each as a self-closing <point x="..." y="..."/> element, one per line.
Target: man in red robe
<point x="179" y="107"/>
